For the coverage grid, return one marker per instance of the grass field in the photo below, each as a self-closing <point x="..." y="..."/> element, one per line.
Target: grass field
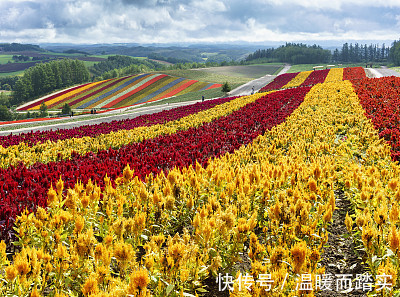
<point x="5" y="58"/>
<point x="12" y="73"/>
<point x="250" y="71"/>
<point x="208" y="76"/>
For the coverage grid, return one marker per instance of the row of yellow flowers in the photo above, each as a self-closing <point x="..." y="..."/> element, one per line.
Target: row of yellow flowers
<point x="270" y="200"/>
<point x="298" y="80"/>
<point x="334" y="75"/>
<point x="51" y="151"/>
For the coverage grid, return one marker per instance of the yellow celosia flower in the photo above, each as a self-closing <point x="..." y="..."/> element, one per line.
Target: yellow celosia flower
<point x="349" y="223"/>
<point x="299" y="252"/>
<point x="11" y="272"/>
<point x="90" y="287"/>
<point x="139" y="279"/>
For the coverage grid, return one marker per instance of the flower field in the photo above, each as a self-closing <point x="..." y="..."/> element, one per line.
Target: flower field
<point x="311" y="78"/>
<point x="233" y="195"/>
<point x="120" y="92"/>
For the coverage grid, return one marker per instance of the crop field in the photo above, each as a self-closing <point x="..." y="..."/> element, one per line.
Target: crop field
<point x="202" y="75"/>
<point x="251" y="71"/>
<point x="236" y="196"/>
<point x="16" y="68"/>
<point x="121" y="92"/>
<point x="5" y="58"/>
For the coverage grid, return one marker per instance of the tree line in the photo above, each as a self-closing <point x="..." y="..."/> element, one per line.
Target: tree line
<point x="293" y="53"/>
<point x="349" y="53"/>
<point x="47" y="77"/>
<point x="357" y="53"/>
<point x="394" y="53"/>
<point x="121" y="62"/>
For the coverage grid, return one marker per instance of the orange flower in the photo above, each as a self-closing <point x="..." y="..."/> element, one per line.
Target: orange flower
<point x="299" y="252"/>
<point x="139" y="279"/>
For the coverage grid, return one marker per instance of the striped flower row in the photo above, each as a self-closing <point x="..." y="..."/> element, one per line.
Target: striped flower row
<point x="64" y="149"/>
<point x="19" y="188"/>
<point x="118" y="92"/>
<point x="310" y="78"/>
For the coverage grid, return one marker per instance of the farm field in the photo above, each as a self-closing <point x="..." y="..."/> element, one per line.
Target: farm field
<point x="17" y="68"/>
<point x="232" y="196"/>
<point x="202" y="75"/>
<point x="121" y="92"/>
<point x="251" y="71"/>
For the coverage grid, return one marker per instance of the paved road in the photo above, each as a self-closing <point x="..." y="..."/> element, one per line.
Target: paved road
<point x="245" y="89"/>
<point x="113" y="117"/>
<point x="381" y="72"/>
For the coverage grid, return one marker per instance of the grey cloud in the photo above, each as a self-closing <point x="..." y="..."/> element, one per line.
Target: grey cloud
<point x="178" y="20"/>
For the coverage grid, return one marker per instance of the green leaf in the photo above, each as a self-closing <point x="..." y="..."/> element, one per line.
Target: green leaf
<point x="170" y="288"/>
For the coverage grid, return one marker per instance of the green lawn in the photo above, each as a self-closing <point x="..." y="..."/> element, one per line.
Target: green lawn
<point x="5" y="58"/>
<point x="12" y="73"/>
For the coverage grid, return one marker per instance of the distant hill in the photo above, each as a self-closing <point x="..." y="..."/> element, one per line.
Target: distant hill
<point x="172" y="54"/>
<point x="18" y="47"/>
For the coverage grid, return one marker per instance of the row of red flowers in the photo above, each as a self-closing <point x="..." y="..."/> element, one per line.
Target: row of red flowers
<point x="352" y="73"/>
<point x="22" y="187"/>
<point x="279" y="82"/>
<point x="33" y="138"/>
<point x="316" y="77"/>
<point x="96" y="89"/>
<point x="380" y="98"/>
<point x="48" y="98"/>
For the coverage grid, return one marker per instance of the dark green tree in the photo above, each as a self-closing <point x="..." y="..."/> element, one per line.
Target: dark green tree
<point x="4" y="99"/>
<point x="5" y="114"/>
<point x="394" y="53"/>
<point x="226" y="87"/>
<point x="43" y="109"/>
<point x="66" y="109"/>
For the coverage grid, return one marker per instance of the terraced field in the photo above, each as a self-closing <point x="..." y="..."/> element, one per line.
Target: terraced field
<point x="121" y="92"/>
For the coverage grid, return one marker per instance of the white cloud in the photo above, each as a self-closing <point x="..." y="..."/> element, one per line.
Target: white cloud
<point x="97" y="21"/>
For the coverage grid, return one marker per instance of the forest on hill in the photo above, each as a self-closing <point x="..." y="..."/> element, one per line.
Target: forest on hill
<point x="293" y="53"/>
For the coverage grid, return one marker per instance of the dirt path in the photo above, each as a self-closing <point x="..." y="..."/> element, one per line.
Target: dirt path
<point x="340" y="257"/>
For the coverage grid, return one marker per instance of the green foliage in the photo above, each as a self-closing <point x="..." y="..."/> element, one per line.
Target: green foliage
<point x="293" y="53"/>
<point x="118" y="65"/>
<point x="394" y="54"/>
<point x="47" y="77"/>
<point x="358" y="53"/>
<point x="20" y="58"/>
<point x="66" y="109"/>
<point x="8" y="82"/>
<point x="4" y="99"/>
<point x="226" y="87"/>
<point x="17" y="47"/>
<point x="43" y="109"/>
<point x="5" y="114"/>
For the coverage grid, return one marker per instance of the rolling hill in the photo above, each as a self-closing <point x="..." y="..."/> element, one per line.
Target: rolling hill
<point x="121" y="92"/>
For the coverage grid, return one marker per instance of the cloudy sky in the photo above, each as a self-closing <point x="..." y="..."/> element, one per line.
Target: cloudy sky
<point x="166" y="21"/>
